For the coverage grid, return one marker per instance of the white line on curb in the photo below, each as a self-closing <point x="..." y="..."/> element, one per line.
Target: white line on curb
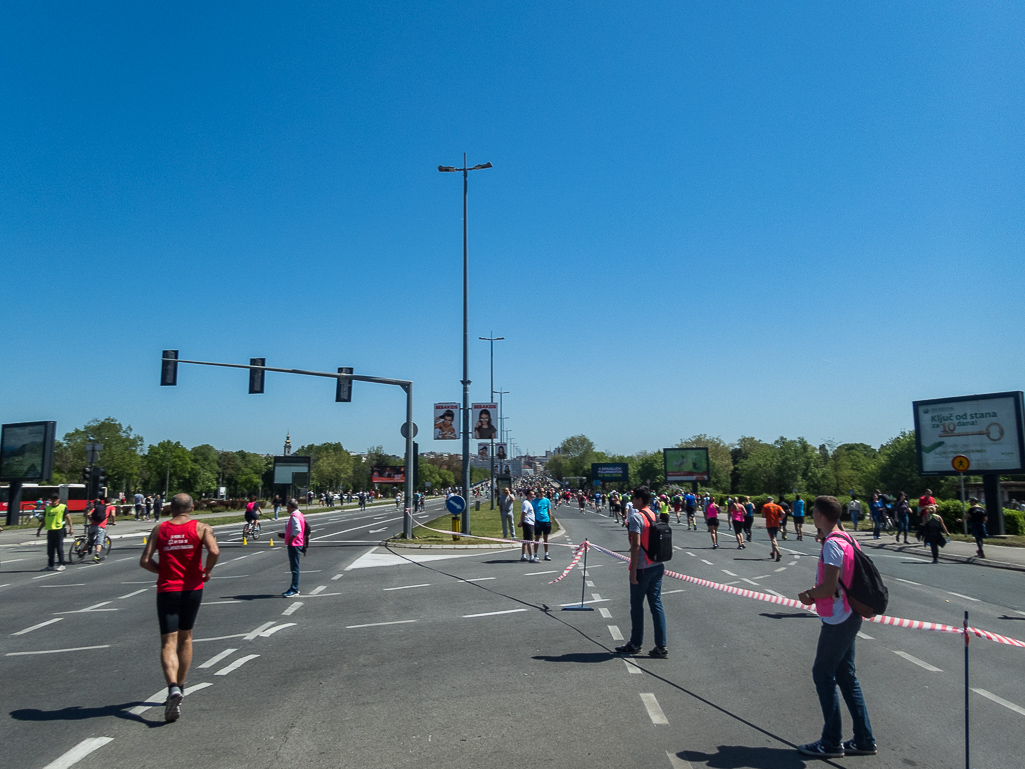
<point x="655" y="713"/>
<point x="77" y="753"/>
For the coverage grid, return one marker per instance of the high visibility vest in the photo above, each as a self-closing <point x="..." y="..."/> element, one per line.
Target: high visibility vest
<point x="54" y="517"/>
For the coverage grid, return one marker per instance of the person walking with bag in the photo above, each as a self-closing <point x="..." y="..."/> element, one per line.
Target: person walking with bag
<point x="977" y="517"/>
<point x="934" y="531"/>
<point x="834" y="655"/>
<point x="645" y="579"/>
<point x="296" y="540"/>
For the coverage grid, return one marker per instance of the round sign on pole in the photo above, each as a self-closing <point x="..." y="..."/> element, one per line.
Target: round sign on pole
<point x="455" y="504"/>
<point x="961" y="463"/>
<point x="403" y="430"/>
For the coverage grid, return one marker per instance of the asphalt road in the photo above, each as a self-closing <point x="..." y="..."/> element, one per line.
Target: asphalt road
<point x="433" y="657"/>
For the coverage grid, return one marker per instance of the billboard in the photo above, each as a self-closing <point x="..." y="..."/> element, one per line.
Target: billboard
<point x="985" y="428"/>
<point x="485" y="420"/>
<point x="686" y="465"/>
<point x="26" y="452"/>
<point x="388" y="474"/>
<point x="291" y="470"/>
<point x="446" y="421"/>
<point x="616" y="472"/>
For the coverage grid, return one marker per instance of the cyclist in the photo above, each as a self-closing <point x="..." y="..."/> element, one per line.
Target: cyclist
<point x="252" y="511"/>
<point x="98" y="519"/>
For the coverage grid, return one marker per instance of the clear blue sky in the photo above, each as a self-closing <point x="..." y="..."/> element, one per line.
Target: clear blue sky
<point x="733" y="218"/>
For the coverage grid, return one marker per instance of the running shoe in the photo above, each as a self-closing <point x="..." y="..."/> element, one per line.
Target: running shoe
<point x="173" y="706"/>
<point x="60" y="568"/>
<point x="628" y="649"/>
<point x="851" y="749"/>
<point x="819" y="750"/>
<point x="523" y="557"/>
<point x="548" y="557"/>
<point x="659" y="652"/>
<point x="47" y="568"/>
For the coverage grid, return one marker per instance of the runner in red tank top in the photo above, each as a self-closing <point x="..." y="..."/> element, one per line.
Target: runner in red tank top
<point x="178" y="543"/>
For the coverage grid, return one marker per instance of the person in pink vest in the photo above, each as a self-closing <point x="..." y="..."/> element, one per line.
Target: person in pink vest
<point x="296" y="540"/>
<point x="834" y="656"/>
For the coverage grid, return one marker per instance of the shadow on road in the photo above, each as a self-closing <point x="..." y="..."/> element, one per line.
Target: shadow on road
<point x="77" y="713"/>
<point x="584" y="657"/>
<point x="747" y="757"/>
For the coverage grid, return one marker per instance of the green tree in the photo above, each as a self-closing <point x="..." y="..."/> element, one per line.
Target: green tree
<point x="206" y="469"/>
<point x="121" y="455"/>
<point x="167" y="463"/>
<point x="897" y="469"/>
<point x="331" y="467"/>
<point x="648" y="468"/>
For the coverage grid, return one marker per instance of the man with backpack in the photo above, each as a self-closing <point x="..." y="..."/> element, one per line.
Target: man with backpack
<point x="645" y="576"/>
<point x="833" y="596"/>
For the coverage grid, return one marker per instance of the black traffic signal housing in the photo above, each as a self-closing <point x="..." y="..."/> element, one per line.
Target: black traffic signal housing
<point x="343" y="388"/>
<point x="256" y="375"/>
<point x="169" y="368"/>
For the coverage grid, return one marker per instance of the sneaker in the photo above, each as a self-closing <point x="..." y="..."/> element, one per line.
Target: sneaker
<point x="523" y="557"/>
<point x="535" y="559"/>
<point x="659" y="652"/>
<point x="60" y="568"/>
<point x="853" y="750"/>
<point x="47" y="568"/>
<point x="173" y="706"/>
<point x="818" y="750"/>
<point x="548" y="557"/>
<point x="96" y="559"/>
<point x="289" y="593"/>
<point x="628" y="649"/>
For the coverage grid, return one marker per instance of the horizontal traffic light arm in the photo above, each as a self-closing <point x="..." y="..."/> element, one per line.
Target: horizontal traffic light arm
<point x="304" y="372"/>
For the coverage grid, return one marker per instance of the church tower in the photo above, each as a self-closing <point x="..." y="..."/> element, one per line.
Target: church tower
<point x="288" y="444"/>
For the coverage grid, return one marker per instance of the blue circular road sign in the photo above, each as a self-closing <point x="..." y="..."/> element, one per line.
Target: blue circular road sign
<point x="455" y="504"/>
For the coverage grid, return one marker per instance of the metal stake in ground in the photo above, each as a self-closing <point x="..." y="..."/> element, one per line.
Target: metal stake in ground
<point x="583" y="585"/>
<point x="967" y="753"/>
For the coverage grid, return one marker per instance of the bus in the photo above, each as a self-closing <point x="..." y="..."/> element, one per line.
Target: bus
<point x="71" y="494"/>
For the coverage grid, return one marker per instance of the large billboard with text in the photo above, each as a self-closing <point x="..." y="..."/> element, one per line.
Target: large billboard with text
<point x="613" y="472"/>
<point x="985" y="428"/>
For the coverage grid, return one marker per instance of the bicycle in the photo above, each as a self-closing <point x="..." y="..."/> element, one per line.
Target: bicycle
<point x="251" y="530"/>
<point x="85" y="545"/>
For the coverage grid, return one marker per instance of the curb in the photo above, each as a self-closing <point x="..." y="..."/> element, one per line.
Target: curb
<point x="969" y="559"/>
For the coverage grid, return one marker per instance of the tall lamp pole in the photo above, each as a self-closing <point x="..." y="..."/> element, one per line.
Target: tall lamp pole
<point x="492" y="340"/>
<point x="466" y="337"/>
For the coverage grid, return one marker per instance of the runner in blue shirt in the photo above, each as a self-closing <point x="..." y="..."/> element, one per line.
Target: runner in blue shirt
<point x="542" y="523"/>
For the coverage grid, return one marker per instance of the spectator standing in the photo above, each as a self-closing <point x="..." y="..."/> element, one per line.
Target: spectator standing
<point x="158" y="506"/>
<point x="542" y="524"/>
<point x="854" y="511"/>
<point x="834" y="656"/>
<point x="296" y="541"/>
<point x="55" y="517"/>
<point x="527" y="522"/>
<point x="645" y="579"/>
<point x="277" y="505"/>
<point x="138" y="499"/>
<point x="149" y="506"/>
<point x="506" y="502"/>
<point x="875" y="509"/>
<point x="902" y="512"/>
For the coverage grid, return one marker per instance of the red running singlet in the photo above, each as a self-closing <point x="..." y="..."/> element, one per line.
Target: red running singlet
<point x="180" y="551"/>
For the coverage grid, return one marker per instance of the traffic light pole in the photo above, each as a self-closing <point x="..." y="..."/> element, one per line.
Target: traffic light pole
<point x="405" y="384"/>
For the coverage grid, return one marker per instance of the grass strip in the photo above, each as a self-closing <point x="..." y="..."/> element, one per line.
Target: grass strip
<point x="484" y="522"/>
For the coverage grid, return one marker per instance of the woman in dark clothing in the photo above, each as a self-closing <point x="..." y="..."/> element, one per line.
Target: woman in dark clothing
<point x="935" y="532"/>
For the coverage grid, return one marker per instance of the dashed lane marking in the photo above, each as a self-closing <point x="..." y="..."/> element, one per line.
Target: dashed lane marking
<point x="536" y="573"/>
<point x="676" y="762"/>
<point x="321" y="595"/>
<point x="691" y="554"/>
<point x="129" y="595"/>
<point x="318" y="590"/>
<point x="336" y="576"/>
<point x="36" y="627"/>
<point x="292" y="608"/>
<point x="236" y="664"/>
<point x="217" y="658"/>
<point x="380" y="624"/>
<point x="670" y="592"/>
<point x="493" y="613"/>
<point x="407" y="587"/>
<point x="88" y="609"/>
<point x="965" y="597"/>
<point x="218" y="638"/>
<point x="908" y="581"/>
<point x="150" y="582"/>
<point x="920" y="663"/>
<point x="577" y="603"/>
<point x="271" y="631"/>
<point x="57" y="651"/>
<point x="750" y="581"/>
<point x="77" y="753"/>
<point x="793" y="562"/>
<point x="655" y="713"/>
<point x="605" y="613"/>
<point x="865" y="636"/>
<point x="233" y="601"/>
<point x="478" y="579"/>
<point x="764" y="576"/>
<point x="727" y="571"/>
<point x="252" y="635"/>
<point x="773" y="592"/>
<point x="51" y="574"/>
<point x="999" y="700"/>
<point x="58" y="587"/>
<point x="708" y="562"/>
<point x="240" y="558"/>
<point x="617" y="634"/>
<point x="781" y="568"/>
<point x="589" y="583"/>
<point x="632" y="668"/>
<point x="596" y="597"/>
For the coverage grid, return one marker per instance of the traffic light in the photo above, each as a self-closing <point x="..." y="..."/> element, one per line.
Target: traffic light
<point x="256" y="375"/>
<point x="86" y="475"/>
<point x="98" y="483"/>
<point x="169" y="368"/>
<point x="343" y="388"/>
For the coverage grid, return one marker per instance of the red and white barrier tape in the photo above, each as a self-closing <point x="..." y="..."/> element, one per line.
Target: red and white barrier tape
<point x="881" y="619"/>
<point x="576" y="559"/>
<point x="493" y="539"/>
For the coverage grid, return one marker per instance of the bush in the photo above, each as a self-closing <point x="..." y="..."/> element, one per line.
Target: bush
<point x="1014" y="521"/>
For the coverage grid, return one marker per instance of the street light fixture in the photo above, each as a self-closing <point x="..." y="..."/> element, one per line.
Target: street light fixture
<point x="466" y="337"/>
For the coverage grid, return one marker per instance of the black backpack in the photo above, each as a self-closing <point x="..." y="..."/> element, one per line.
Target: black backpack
<point x="867" y="595"/>
<point x="660" y="540"/>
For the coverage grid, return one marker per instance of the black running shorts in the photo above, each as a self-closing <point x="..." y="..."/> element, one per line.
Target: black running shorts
<point x="177" y="610"/>
<point x="542" y="528"/>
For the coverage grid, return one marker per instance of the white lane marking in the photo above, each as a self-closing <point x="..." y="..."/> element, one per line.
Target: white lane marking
<point x="764" y="576"/>
<point x="235" y="601"/>
<point x="36" y="627"/>
<point x="217" y="658"/>
<point x="708" y="562"/>
<point x="292" y="608"/>
<point x="589" y="583"/>
<point x="318" y="590"/>
<point x="727" y="571"/>
<point x="57" y="651"/>
<point x="793" y="562"/>
<point x="51" y="574"/>
<point x="493" y="613"/>
<point x="632" y="668"/>
<point x="908" y="581"/>
<point x="129" y="595"/>
<point x="87" y="609"/>
<point x="773" y="592"/>
<point x="50" y="587"/>
<point x="377" y="531"/>
<point x="236" y="664"/>
<point x="478" y="579"/>
<point x="1022" y="613"/>
<point x="379" y="624"/>
<point x="691" y="554"/>
<point x="750" y="581"/>
<point x="617" y="634"/>
<point x="218" y="638"/>
<point x="605" y="613"/>
<point x="781" y="568"/>
<point x="6" y="584"/>
<point x="77" y="753"/>
<point x="158" y="699"/>
<point x="271" y="631"/>
<point x="127" y="557"/>
<point x="958" y="595"/>
<point x="670" y="592"/>
<point x="999" y="700"/>
<point x="577" y="603"/>
<point x="596" y="597"/>
<point x="252" y="636"/>
<point x="677" y="762"/>
<point x="865" y="636"/>
<point x="655" y="713"/>
<point x="407" y="587"/>
<point x="336" y="576"/>
<point x="536" y="573"/>
<point x="239" y="558"/>
<point x="321" y="595"/>
<point x="14" y="560"/>
<point x="920" y="663"/>
<point x="150" y="582"/>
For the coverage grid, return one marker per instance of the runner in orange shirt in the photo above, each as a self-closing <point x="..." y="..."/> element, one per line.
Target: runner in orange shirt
<point x="773" y="514"/>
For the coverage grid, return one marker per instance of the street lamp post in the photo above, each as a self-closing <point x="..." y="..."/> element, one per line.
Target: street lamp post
<point x="492" y="340"/>
<point x="466" y="338"/>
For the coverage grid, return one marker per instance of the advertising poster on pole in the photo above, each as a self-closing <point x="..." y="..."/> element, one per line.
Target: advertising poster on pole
<point x="987" y="429"/>
<point x="485" y="417"/>
<point x="686" y="465"/>
<point x="501" y="452"/>
<point x="446" y="421"/>
<point x="484" y="452"/>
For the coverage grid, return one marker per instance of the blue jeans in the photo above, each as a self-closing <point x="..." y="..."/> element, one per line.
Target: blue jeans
<point x="834" y="667"/>
<point x="293" y="563"/>
<point x="649" y="584"/>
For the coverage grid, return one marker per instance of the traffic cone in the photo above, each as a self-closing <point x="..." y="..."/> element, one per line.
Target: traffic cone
<point x="272" y="542"/>
<point x="244" y="542"/>
<point x="144" y="540"/>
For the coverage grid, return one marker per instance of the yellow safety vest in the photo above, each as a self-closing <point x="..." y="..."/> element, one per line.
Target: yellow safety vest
<point x="54" y="517"/>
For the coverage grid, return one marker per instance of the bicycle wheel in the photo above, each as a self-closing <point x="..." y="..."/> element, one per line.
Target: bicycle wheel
<point x="256" y="530"/>
<point x="105" y="550"/>
<point x="245" y="531"/>
<point x="77" y="550"/>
